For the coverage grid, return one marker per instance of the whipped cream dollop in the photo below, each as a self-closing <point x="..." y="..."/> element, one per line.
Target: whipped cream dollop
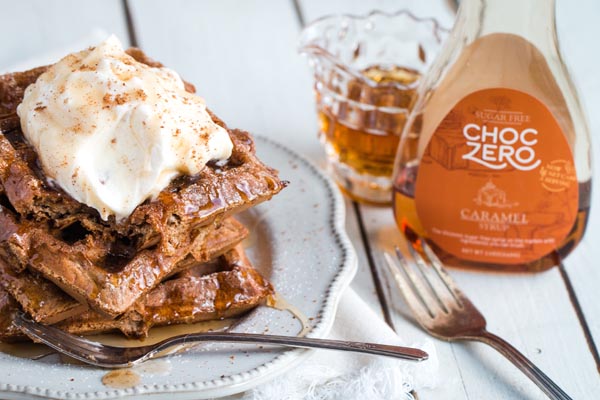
<point x="113" y="132"/>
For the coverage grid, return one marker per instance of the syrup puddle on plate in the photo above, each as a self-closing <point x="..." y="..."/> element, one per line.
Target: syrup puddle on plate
<point x="126" y="378"/>
<point x="279" y="303"/>
<point x="121" y="379"/>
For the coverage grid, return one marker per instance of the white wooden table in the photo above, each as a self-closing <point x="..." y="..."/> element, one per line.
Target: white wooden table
<point x="242" y="57"/>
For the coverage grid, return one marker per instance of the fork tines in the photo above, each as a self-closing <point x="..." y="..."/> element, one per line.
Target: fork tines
<point x="422" y="278"/>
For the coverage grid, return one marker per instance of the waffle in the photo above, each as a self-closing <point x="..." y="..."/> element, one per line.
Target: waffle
<point x="234" y="288"/>
<point x="90" y="270"/>
<point x="187" y="203"/>
<point x="47" y="303"/>
<point x="224" y="288"/>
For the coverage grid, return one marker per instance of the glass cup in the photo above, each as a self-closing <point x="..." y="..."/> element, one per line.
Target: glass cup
<point x="366" y="71"/>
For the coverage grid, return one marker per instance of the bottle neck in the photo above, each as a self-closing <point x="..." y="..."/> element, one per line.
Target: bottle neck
<point x="532" y="19"/>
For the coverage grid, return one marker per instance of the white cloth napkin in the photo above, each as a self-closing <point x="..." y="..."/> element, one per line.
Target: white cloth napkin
<point x="329" y="375"/>
<point x="325" y="375"/>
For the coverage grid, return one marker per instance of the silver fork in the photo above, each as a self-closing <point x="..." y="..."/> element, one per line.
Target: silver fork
<point x="444" y="311"/>
<point x="101" y="355"/>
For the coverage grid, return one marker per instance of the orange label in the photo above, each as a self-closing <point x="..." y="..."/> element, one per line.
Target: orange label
<point x="497" y="183"/>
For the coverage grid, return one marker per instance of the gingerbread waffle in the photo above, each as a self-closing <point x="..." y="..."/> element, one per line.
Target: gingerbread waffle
<point x="47" y="303"/>
<point x="187" y="203"/>
<point x="226" y="287"/>
<point x="234" y="288"/>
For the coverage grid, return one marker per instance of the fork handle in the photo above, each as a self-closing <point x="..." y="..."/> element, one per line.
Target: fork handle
<point x="405" y="353"/>
<point x="551" y="389"/>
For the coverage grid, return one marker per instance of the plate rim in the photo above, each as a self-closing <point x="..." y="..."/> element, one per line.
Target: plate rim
<point x="243" y="381"/>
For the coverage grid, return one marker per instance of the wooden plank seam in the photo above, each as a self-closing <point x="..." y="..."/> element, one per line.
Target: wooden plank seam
<point x="374" y="271"/>
<point x="580" y="315"/>
<point x="130" y="26"/>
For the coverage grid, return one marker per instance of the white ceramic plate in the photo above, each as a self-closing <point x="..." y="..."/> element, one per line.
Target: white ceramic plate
<point x="297" y="240"/>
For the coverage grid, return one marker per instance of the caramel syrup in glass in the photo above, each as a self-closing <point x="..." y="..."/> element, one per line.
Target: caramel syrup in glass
<point x="368" y="145"/>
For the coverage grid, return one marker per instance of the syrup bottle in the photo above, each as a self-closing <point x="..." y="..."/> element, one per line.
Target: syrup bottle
<point x="494" y="164"/>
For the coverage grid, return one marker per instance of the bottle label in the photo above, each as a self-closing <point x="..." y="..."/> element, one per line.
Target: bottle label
<point x="497" y="182"/>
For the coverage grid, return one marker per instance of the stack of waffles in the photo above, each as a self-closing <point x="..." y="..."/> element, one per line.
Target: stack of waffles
<point x="176" y="259"/>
